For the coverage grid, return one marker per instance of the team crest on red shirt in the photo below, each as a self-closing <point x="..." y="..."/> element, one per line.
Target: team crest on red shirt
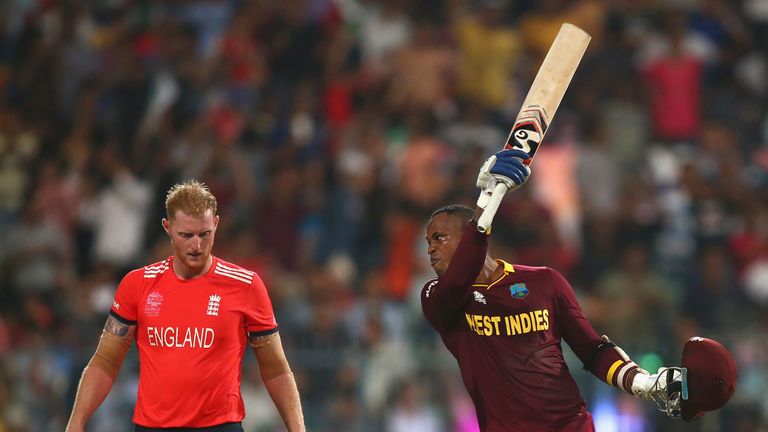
<point x="152" y="306"/>
<point x="213" y="305"/>
<point x="518" y="290"/>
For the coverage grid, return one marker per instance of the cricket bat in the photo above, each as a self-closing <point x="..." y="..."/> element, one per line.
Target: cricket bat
<point x="539" y="106"/>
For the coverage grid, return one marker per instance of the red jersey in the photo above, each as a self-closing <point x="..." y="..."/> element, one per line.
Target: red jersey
<point x="191" y="336"/>
<point x="675" y="97"/>
<point x="506" y="338"/>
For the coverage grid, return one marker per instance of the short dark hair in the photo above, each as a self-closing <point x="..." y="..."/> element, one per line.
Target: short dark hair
<point x="460" y="210"/>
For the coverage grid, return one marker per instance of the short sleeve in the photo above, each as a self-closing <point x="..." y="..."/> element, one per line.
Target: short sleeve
<point x="259" y="316"/>
<point x="124" y="306"/>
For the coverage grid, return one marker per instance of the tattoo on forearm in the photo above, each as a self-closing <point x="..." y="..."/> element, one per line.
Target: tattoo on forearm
<point x="117" y="328"/>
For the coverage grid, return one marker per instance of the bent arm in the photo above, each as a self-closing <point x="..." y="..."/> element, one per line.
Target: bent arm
<point x="442" y="298"/>
<point x="605" y="360"/>
<point x="278" y="379"/>
<point x="101" y="371"/>
<point x="600" y="355"/>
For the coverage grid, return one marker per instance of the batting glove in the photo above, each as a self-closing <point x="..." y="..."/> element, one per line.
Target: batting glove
<point x="505" y="166"/>
<point x="485" y="180"/>
<point x="666" y="388"/>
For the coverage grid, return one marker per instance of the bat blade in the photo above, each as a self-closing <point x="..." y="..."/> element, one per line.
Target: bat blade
<point x="539" y="106"/>
<point x="548" y="89"/>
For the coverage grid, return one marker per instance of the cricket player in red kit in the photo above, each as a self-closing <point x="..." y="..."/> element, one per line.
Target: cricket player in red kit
<point x="504" y="324"/>
<point x="192" y="316"/>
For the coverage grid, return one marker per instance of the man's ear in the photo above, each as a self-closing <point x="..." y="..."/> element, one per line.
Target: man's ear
<point x="215" y="221"/>
<point x="167" y="226"/>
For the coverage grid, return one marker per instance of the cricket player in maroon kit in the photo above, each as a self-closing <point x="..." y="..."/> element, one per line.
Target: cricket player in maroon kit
<point x="504" y="324"/>
<point x="192" y="316"/>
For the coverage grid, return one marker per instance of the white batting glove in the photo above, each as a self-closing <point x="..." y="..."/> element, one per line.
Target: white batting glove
<point x="486" y="182"/>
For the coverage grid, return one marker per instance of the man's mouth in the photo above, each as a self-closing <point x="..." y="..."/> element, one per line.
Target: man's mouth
<point x="433" y="261"/>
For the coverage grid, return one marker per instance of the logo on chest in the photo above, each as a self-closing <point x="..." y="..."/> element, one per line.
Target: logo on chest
<point x="518" y="290"/>
<point x="213" y="305"/>
<point x="479" y="297"/>
<point x="153" y="303"/>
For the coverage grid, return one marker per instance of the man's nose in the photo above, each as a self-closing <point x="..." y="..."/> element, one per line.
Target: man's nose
<point x="431" y="248"/>
<point x="197" y="242"/>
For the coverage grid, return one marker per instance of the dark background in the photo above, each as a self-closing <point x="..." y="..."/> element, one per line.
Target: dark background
<point x="328" y="130"/>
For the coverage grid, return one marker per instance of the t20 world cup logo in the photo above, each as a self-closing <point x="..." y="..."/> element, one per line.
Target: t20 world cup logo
<point x="153" y="303"/>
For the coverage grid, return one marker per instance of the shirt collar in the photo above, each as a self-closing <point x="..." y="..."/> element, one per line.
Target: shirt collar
<point x="508" y="268"/>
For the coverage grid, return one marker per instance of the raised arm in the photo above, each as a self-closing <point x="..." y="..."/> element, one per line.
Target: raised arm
<point x="101" y="371"/>
<point x="278" y="379"/>
<point x="442" y="298"/>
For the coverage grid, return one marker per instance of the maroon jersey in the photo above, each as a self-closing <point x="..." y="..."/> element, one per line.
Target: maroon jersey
<point x="506" y="338"/>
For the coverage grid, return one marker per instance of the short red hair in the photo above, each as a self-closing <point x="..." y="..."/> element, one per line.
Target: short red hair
<point x="191" y="197"/>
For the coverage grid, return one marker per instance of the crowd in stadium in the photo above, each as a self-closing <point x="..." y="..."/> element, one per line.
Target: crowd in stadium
<point x="328" y="131"/>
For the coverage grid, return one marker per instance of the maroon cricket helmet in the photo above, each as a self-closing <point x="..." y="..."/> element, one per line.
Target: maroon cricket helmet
<point x="712" y="377"/>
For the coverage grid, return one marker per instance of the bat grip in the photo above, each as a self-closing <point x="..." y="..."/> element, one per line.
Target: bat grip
<point x="482" y="200"/>
<point x="486" y="219"/>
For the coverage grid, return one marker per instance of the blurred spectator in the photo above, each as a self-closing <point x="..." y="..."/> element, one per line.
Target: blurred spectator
<point x="423" y="165"/>
<point x="488" y="47"/>
<point x="675" y="80"/>
<point x="327" y="129"/>
<point x="374" y="312"/>
<point x="539" y="25"/>
<point x="411" y="412"/>
<point x="629" y="296"/>
<point x="598" y="173"/>
<point x="279" y="217"/>
<point x="345" y="409"/>
<point x="384" y="29"/>
<point x="421" y="71"/>
<point x="321" y="346"/>
<point x="295" y="43"/>
<point x="35" y="252"/>
<point x="388" y="361"/>
<point x="530" y="235"/>
<point x="19" y="146"/>
<point x="625" y="124"/>
<point x="714" y="299"/>
<point x="473" y="131"/>
<point x="748" y="243"/>
<point x="119" y="213"/>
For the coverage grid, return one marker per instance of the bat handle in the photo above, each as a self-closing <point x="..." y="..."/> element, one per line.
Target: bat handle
<point x="482" y="200"/>
<point x="486" y="219"/>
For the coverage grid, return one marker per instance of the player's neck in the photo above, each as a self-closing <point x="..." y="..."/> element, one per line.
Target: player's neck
<point x="490" y="272"/>
<point x="186" y="273"/>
